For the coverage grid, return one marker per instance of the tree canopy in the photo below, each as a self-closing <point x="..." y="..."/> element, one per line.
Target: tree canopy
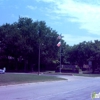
<point x="21" y="40"/>
<point x="19" y="47"/>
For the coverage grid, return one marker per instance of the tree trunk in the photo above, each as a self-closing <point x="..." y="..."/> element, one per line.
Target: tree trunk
<point x="25" y="65"/>
<point x="16" y="64"/>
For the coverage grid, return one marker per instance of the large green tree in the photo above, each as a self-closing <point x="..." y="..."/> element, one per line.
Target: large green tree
<point x="21" y="40"/>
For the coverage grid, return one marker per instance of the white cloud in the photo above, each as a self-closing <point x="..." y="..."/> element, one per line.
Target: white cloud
<point x="86" y="14"/>
<point x="53" y="17"/>
<point x="31" y="7"/>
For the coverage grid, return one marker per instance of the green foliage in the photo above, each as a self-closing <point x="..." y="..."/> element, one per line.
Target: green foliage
<point x="21" y="40"/>
<point x="83" y="52"/>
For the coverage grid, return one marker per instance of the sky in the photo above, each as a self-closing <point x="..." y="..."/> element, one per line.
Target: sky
<point x="76" y="20"/>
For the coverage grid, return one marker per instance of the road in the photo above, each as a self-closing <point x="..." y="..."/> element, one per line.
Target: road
<point x="76" y="88"/>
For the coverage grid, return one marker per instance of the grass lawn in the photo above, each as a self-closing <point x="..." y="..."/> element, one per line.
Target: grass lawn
<point x="87" y="75"/>
<point x="11" y="78"/>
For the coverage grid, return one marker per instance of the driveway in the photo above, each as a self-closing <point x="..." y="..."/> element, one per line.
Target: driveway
<point x="76" y="88"/>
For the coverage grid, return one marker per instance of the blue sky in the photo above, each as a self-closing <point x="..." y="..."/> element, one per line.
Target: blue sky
<point x="76" y="20"/>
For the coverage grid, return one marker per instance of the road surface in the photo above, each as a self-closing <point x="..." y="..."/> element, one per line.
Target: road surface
<point x="76" y="88"/>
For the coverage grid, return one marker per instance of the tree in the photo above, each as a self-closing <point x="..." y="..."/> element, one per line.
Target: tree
<point x="21" y="41"/>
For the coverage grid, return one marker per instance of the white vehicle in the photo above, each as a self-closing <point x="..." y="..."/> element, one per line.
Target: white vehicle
<point x="2" y="71"/>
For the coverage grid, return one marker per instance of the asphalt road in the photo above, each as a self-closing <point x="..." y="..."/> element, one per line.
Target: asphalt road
<point x="76" y="88"/>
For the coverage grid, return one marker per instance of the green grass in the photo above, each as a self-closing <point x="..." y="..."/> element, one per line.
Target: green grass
<point x="11" y="78"/>
<point x="87" y="75"/>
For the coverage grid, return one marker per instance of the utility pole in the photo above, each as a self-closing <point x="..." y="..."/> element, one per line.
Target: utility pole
<point x="39" y="33"/>
<point x="39" y="59"/>
<point x="60" y="60"/>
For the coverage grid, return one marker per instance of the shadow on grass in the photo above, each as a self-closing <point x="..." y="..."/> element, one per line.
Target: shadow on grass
<point x="11" y="78"/>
